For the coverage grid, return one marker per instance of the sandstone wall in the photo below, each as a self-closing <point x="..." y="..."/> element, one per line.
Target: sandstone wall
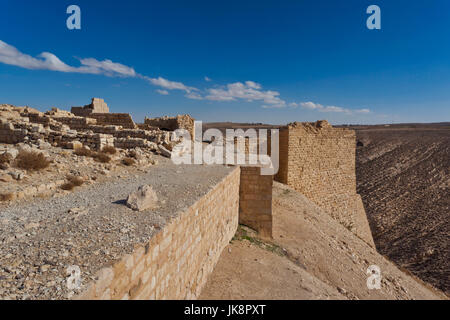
<point x="80" y="111"/>
<point x="119" y="119"/>
<point x="255" y="200"/>
<point x="76" y="123"/>
<point x="9" y="134"/>
<point x="97" y="105"/>
<point x="172" y="123"/>
<point x="176" y="262"/>
<point x="319" y="161"/>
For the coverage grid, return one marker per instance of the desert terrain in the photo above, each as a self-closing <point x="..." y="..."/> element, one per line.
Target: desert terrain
<point x="403" y="177"/>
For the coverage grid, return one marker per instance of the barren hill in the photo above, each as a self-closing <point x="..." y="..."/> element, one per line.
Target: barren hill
<point x="403" y="176"/>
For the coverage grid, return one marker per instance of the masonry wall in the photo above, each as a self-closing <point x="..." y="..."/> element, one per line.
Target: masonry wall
<point x="319" y="161"/>
<point x="255" y="200"/>
<point x="173" y="123"/>
<point x="176" y="262"/>
<point x="9" y="134"/>
<point x="119" y="119"/>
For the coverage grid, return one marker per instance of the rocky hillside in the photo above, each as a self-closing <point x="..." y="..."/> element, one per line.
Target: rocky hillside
<point x="403" y="177"/>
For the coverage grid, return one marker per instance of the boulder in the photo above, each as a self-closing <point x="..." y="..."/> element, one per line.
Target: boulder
<point x="75" y="145"/>
<point x="17" y="175"/>
<point x="13" y="152"/>
<point x="142" y="199"/>
<point x="164" y="152"/>
<point x="6" y="178"/>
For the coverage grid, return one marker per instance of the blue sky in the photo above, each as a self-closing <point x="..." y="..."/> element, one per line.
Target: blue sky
<point x="242" y="61"/>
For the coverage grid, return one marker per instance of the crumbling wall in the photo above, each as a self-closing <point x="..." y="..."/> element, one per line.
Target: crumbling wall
<point x="76" y="123"/>
<point x="172" y="123"/>
<point x="177" y="261"/>
<point x="119" y="119"/>
<point x="319" y="161"/>
<point x="97" y="105"/>
<point x="99" y="110"/>
<point x="94" y="141"/>
<point x="9" y="134"/>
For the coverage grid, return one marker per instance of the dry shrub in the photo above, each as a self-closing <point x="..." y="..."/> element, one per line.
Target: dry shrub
<point x="133" y="154"/>
<point x="75" y="180"/>
<point x="6" y="196"/>
<point x="68" y="186"/>
<point x="101" y="157"/>
<point x="5" y="158"/>
<point x="31" y="160"/>
<point x="83" y="152"/>
<point x="128" y="161"/>
<point x="109" y="150"/>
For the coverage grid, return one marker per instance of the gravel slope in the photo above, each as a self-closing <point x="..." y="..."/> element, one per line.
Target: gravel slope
<point x="403" y="177"/>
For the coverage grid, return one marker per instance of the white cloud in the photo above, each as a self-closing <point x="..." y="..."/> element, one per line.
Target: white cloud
<point x="48" y="61"/>
<point x="10" y="55"/>
<point x="252" y="85"/>
<point x="108" y="67"/>
<point x="170" y="85"/>
<point x="194" y="95"/>
<point x="163" y="92"/>
<point x="249" y="91"/>
<point x="321" y="108"/>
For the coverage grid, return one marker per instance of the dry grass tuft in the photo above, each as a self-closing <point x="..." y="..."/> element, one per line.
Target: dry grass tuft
<point x="68" y="186"/>
<point x="97" y="156"/>
<point x="72" y="182"/>
<point x="128" y="161"/>
<point x="31" y="160"/>
<point x="6" y="196"/>
<point x="75" y="180"/>
<point x="109" y="150"/>
<point x="101" y="157"/>
<point x="83" y="152"/>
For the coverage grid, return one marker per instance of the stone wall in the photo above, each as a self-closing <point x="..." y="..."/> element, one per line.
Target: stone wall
<point x="97" y="105"/>
<point x="9" y="134"/>
<point x="318" y="161"/>
<point x="76" y="123"/>
<point x="96" y="141"/>
<point x="176" y="262"/>
<point x="172" y="123"/>
<point x="119" y="119"/>
<point x="255" y="200"/>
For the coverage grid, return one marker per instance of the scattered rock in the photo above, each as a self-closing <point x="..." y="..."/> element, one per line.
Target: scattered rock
<point x="75" y="145"/>
<point x="6" y="178"/>
<point x="17" y="175"/>
<point x="142" y="199"/>
<point x="164" y="152"/>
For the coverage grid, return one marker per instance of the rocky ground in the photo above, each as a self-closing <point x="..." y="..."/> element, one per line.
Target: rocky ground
<point x="21" y="183"/>
<point x="90" y="227"/>
<point x="311" y="256"/>
<point x="403" y="176"/>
